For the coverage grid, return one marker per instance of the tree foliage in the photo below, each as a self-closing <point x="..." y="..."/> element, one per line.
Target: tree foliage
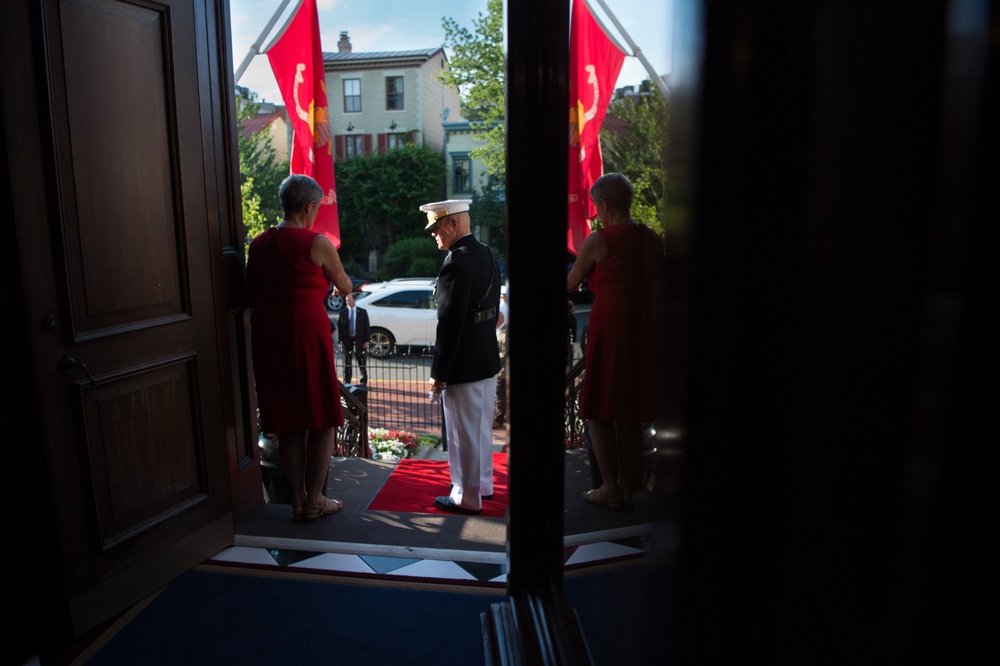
<point x="477" y="68"/>
<point x="386" y="192"/>
<point x="489" y="209"/>
<point x="639" y="151"/>
<point x="411" y="257"/>
<point x="261" y="173"/>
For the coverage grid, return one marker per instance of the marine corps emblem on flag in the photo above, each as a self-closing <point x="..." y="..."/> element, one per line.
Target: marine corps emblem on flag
<point x="297" y="62"/>
<point x="594" y="63"/>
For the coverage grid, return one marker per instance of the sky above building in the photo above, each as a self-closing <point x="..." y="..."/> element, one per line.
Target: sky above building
<point x="403" y="25"/>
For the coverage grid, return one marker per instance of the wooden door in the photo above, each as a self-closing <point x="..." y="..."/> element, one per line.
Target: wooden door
<point x="112" y="112"/>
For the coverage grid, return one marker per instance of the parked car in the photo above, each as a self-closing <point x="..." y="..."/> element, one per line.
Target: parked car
<point x="334" y="302"/>
<point x="402" y="313"/>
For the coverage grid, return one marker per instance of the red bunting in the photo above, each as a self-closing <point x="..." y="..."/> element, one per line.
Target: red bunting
<point x="594" y="64"/>
<point x="297" y="61"/>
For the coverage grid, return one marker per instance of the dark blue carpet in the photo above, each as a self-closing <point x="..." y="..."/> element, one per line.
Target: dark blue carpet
<point x="627" y="613"/>
<point x="222" y="618"/>
<point x="205" y="617"/>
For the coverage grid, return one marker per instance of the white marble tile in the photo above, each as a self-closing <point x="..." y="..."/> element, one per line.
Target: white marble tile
<point x="592" y="552"/>
<point x="335" y="562"/>
<point x="245" y="555"/>
<point x="348" y="563"/>
<point x="434" y="569"/>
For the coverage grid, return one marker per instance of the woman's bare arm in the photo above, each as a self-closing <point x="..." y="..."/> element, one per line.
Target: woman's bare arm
<point x="324" y="255"/>
<point x="592" y="250"/>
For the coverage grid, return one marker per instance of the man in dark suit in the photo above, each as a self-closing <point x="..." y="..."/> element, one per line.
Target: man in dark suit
<point x="353" y="331"/>
<point x="466" y="357"/>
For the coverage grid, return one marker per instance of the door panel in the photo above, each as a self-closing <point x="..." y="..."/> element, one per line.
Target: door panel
<point x="117" y="218"/>
<point x="120" y="181"/>
<point x="144" y="464"/>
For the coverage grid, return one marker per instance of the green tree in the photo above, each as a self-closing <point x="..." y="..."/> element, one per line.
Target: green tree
<point x="489" y="209"/>
<point x="261" y="174"/>
<point x="477" y="68"/>
<point x="639" y="151"/>
<point x="385" y="192"/>
<point x="411" y="257"/>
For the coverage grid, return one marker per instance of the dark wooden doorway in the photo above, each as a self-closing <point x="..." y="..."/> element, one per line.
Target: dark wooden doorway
<point x="119" y="169"/>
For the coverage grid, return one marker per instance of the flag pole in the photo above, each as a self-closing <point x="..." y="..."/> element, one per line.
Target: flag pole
<point x="637" y="52"/>
<point x="255" y="47"/>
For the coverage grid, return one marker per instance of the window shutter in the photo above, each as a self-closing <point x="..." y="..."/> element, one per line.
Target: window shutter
<point x="339" y="148"/>
<point x="367" y="144"/>
<point x="383" y="143"/>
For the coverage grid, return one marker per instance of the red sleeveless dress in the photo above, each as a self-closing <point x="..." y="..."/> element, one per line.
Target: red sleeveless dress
<point x="620" y="382"/>
<point x="293" y="357"/>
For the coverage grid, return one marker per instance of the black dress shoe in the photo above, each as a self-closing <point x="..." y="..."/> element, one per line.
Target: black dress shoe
<point x="446" y="504"/>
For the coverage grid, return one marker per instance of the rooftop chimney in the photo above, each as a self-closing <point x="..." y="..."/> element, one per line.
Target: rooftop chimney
<point x="344" y="45"/>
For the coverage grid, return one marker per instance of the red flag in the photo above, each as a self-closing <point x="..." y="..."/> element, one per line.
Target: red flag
<point x="297" y="61"/>
<point x="594" y="64"/>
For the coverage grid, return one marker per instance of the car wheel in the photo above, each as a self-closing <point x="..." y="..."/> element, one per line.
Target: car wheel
<point x="334" y="302"/>
<point x="381" y="343"/>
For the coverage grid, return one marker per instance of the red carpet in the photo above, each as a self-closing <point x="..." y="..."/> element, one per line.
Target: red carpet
<point x="413" y="485"/>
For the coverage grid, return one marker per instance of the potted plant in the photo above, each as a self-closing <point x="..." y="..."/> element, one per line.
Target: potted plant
<point x="392" y="444"/>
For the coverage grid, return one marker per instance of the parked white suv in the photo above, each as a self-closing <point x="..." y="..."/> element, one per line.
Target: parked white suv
<point x="402" y="313"/>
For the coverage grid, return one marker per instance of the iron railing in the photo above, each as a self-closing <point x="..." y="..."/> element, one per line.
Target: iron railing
<point x="352" y="439"/>
<point x="396" y="391"/>
<point x="576" y="428"/>
<point x="395" y="398"/>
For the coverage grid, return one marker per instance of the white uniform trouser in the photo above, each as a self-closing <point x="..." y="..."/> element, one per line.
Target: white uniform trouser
<point x="468" y="417"/>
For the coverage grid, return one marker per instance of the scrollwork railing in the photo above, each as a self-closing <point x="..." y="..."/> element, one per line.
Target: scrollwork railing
<point x="575" y="427"/>
<point x="352" y="438"/>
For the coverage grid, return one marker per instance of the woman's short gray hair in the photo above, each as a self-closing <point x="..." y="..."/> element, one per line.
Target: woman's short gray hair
<point x="615" y="189"/>
<point x="297" y="191"/>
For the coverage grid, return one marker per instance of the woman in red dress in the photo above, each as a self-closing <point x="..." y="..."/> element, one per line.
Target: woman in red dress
<point x="289" y="270"/>
<point x="623" y="265"/>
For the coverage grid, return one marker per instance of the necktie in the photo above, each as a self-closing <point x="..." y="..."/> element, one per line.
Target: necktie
<point x="352" y="322"/>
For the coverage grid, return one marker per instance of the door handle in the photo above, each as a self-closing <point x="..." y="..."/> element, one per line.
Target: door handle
<point x="70" y="363"/>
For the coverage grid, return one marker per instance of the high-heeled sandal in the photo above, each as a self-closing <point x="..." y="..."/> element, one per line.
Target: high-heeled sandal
<point x="329" y="506"/>
<point x="601" y="497"/>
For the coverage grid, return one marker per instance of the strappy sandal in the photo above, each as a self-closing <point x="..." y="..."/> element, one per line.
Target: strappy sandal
<point x="328" y="507"/>
<point x="600" y="497"/>
<point x="297" y="513"/>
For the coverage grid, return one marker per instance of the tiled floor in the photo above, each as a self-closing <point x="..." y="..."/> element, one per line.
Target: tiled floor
<point x="444" y="565"/>
<point x="573" y="556"/>
<point x="489" y="567"/>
